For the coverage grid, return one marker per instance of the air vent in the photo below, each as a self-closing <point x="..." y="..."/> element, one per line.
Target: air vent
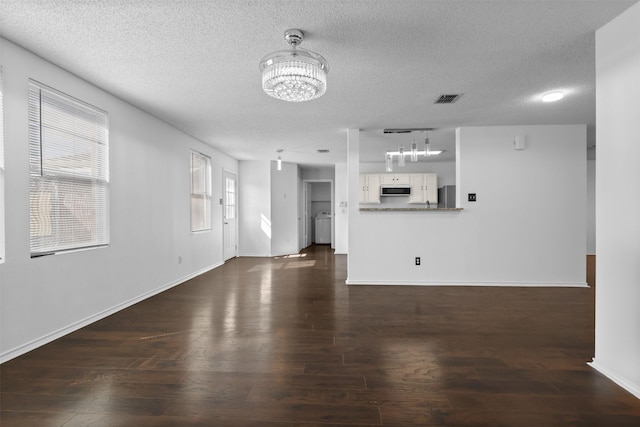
<point x="322" y="150"/>
<point x="448" y="99"/>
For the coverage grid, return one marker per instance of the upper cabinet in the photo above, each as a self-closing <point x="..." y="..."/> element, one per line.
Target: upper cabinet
<point x="369" y="188"/>
<point x="395" y="179"/>
<point x="424" y="188"/>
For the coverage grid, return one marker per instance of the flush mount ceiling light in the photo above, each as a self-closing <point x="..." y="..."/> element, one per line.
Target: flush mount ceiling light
<point x="552" y="96"/>
<point x="294" y="75"/>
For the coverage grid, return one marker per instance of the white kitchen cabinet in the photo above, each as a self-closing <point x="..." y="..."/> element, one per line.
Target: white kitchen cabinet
<point x="395" y="179"/>
<point x="369" y="188"/>
<point x="424" y="188"/>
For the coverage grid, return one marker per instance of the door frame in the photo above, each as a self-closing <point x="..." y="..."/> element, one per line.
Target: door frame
<point x="234" y="252"/>
<point x="306" y="186"/>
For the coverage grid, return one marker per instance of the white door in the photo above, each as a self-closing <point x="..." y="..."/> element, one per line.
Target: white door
<point x="308" y="219"/>
<point x="229" y="216"/>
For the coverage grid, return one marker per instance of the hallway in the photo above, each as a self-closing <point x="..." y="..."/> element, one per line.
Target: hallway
<point x="284" y="342"/>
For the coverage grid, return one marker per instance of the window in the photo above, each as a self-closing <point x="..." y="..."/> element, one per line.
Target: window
<point x="200" y="192"/>
<point x="230" y="198"/>
<point x="69" y="172"/>
<point x="2" y="257"/>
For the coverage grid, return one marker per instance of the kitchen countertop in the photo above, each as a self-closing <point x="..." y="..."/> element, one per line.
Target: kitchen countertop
<point x="408" y="209"/>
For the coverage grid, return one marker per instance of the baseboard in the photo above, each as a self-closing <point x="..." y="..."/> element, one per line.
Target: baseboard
<point x="45" y="339"/>
<point x="630" y="386"/>
<point x="451" y="283"/>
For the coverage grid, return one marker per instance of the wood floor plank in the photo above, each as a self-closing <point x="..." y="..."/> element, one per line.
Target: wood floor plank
<point x="284" y="342"/>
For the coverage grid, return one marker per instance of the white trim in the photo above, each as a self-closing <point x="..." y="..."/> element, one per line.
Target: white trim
<point x="305" y="214"/>
<point x="45" y="339"/>
<point x="630" y="386"/>
<point x="488" y="284"/>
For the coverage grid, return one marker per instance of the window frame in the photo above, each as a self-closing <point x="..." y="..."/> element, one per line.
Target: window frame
<point x="203" y="192"/>
<point x="75" y="198"/>
<point x="230" y="207"/>
<point x="2" y="173"/>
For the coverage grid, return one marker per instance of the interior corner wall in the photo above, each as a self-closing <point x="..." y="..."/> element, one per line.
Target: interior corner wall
<point x="44" y="298"/>
<point x="526" y="228"/>
<point x="617" y="349"/>
<point x="284" y="209"/>
<point x="254" y="208"/>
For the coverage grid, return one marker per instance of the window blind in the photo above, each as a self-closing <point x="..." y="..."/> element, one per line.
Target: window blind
<point x="1" y="125"/>
<point x="200" y="192"/>
<point x="69" y="172"/>
<point x="2" y="245"/>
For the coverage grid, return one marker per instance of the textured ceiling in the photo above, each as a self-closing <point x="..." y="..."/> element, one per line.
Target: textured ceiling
<point x="194" y="64"/>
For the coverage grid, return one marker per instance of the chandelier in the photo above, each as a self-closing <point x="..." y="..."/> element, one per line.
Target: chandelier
<point x="294" y="75"/>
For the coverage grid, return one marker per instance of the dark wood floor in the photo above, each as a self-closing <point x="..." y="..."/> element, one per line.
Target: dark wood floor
<point x="284" y="342"/>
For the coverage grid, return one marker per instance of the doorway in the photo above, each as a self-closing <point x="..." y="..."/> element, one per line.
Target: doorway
<point x="318" y="209"/>
<point x="229" y="216"/>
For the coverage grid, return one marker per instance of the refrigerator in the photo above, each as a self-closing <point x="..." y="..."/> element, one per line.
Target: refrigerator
<point x="447" y="196"/>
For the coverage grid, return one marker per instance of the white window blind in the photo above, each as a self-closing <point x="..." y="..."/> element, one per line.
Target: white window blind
<point x="200" y="192"/>
<point x="2" y="256"/>
<point x="69" y="172"/>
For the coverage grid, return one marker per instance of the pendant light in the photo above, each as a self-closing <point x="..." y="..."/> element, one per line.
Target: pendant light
<point x="414" y="151"/>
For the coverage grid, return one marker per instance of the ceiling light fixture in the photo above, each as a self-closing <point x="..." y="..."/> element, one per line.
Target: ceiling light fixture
<point x="552" y="96"/>
<point x="279" y="150"/>
<point x="294" y="75"/>
<point x="413" y="153"/>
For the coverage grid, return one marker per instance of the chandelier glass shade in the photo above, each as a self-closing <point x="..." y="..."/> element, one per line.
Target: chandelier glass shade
<point x="294" y="75"/>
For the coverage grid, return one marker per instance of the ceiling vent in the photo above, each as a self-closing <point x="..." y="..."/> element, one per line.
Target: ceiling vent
<point x="448" y="98"/>
<point x="323" y="150"/>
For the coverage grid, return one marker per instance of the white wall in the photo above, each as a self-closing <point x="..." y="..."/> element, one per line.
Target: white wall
<point x="284" y="209"/>
<point x="254" y="208"/>
<point x="320" y="197"/>
<point x="527" y="227"/>
<point x="617" y="352"/>
<point x="320" y="172"/>
<point x="340" y="209"/>
<point x="44" y="298"/>
<point x="268" y="208"/>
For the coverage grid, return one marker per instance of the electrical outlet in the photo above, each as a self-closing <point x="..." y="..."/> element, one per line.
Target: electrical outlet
<point x="472" y="197"/>
<point x="417" y="260"/>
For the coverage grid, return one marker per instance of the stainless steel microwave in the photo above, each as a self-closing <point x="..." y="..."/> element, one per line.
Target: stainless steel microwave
<point x="395" y="191"/>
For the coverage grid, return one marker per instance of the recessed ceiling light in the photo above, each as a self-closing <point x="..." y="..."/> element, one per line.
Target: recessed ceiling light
<point x="552" y="96"/>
